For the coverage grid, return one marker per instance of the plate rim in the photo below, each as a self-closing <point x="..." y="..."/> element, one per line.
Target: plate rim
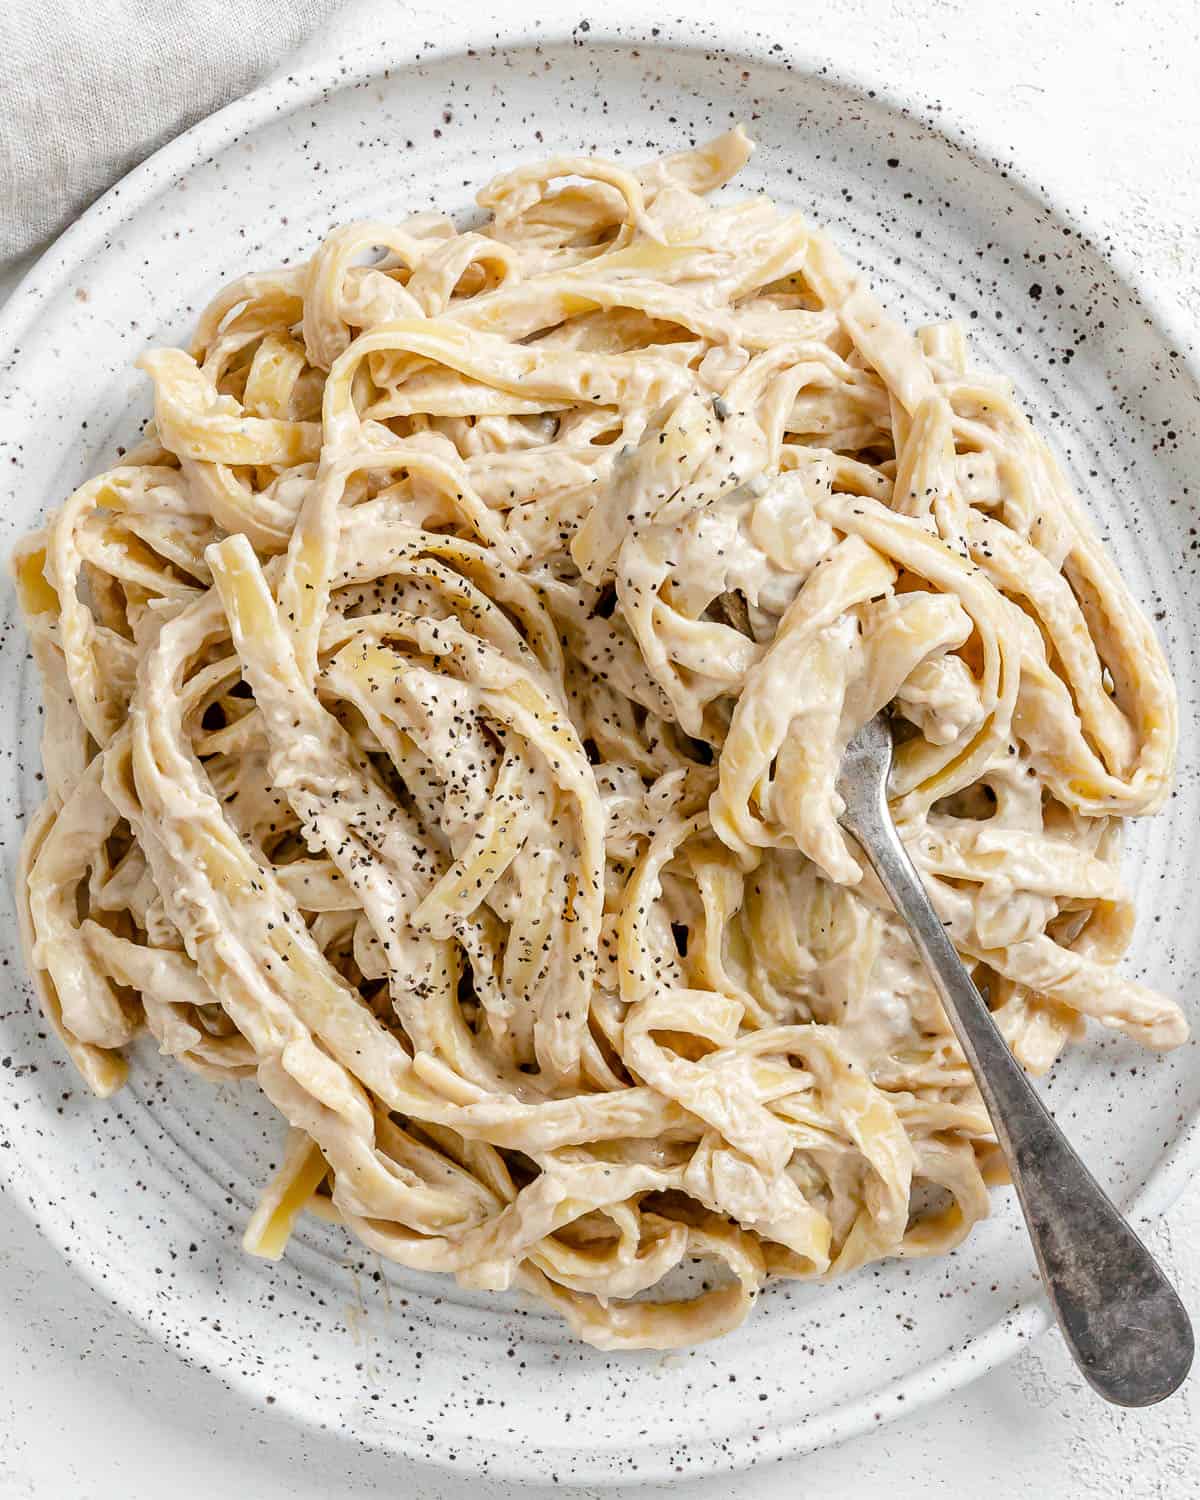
<point x="623" y="25"/>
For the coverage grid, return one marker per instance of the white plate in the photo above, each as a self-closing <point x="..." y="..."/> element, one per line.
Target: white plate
<point x="147" y="1193"/>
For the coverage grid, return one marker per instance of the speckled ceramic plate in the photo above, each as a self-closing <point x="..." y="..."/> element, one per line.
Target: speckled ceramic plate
<point x="147" y="1193"/>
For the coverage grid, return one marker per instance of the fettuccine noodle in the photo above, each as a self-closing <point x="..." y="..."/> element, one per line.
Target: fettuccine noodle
<point x="443" y="711"/>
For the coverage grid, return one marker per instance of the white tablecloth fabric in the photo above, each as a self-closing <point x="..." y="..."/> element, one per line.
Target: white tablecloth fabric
<point x="91" y="87"/>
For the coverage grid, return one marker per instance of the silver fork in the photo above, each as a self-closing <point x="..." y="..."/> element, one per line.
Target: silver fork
<point x="1123" y="1322"/>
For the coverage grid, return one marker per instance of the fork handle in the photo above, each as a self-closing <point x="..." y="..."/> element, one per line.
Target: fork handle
<point x="1123" y="1322"/>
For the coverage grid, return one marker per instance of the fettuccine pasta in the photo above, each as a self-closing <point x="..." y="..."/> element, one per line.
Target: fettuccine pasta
<point x="443" y="709"/>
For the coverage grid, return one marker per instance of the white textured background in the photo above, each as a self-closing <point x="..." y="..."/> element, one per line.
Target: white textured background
<point x="1101" y="98"/>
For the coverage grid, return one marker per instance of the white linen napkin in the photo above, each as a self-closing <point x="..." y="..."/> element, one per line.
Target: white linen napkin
<point x="92" y="87"/>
